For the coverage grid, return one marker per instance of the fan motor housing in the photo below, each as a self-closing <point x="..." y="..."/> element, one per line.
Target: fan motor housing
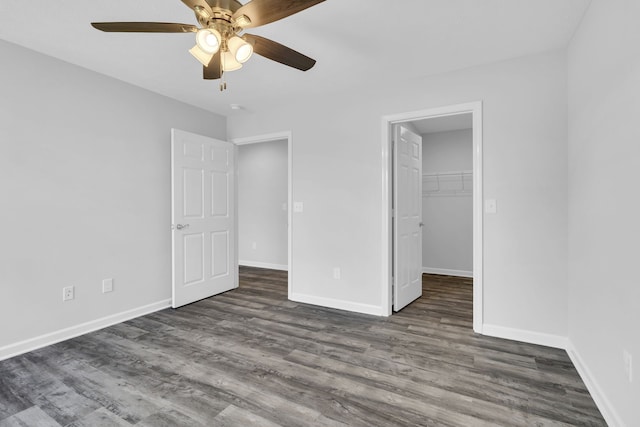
<point x="220" y="10"/>
<point x="230" y="5"/>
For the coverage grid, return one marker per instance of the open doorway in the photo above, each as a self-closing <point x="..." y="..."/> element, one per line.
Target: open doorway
<point x="262" y="205"/>
<point x="459" y="181"/>
<point x="447" y="194"/>
<point x="264" y="201"/>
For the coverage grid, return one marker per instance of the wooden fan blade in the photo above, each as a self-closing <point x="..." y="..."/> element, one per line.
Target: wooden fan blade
<point x="262" y="12"/>
<point x="279" y="53"/>
<point x="213" y="71"/>
<point x="144" y="27"/>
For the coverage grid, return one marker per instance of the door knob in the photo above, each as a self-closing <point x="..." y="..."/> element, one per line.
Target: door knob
<point x="181" y="226"/>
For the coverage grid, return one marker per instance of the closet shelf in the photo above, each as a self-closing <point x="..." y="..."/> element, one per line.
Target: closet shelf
<point x="454" y="183"/>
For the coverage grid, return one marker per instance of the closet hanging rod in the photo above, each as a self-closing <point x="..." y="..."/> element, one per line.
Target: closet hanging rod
<point x="449" y="173"/>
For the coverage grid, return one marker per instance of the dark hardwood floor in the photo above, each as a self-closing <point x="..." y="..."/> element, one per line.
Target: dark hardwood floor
<point x="251" y="358"/>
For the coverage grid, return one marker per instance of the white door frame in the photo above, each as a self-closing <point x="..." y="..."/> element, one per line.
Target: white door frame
<point x="475" y="108"/>
<point x="279" y="136"/>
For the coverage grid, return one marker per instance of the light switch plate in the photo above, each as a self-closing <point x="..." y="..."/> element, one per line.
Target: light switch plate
<point x="298" y="207"/>
<point x="490" y="206"/>
<point x="107" y="286"/>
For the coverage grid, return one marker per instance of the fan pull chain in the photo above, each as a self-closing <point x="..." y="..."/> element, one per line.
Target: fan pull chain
<point x="223" y="80"/>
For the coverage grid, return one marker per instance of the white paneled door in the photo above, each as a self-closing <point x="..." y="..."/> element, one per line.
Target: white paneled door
<point x="407" y="219"/>
<point x="203" y="217"/>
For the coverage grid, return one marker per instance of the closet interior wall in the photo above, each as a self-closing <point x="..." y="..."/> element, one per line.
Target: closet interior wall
<point x="447" y="203"/>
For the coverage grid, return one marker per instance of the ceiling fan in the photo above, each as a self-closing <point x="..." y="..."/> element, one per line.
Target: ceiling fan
<point x="219" y="45"/>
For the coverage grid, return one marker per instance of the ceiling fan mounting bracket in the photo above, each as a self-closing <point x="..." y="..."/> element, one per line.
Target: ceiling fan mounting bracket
<point x="229" y="5"/>
<point x="221" y="20"/>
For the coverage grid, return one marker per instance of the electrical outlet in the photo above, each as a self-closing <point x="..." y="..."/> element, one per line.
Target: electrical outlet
<point x="107" y="286"/>
<point x="628" y="365"/>
<point x="67" y="293"/>
<point x="336" y="273"/>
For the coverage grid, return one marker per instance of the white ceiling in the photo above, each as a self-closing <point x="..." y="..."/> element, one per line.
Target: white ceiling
<point x="357" y="43"/>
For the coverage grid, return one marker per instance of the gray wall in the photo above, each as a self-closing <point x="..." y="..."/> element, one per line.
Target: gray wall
<point x="337" y="173"/>
<point x="85" y="190"/>
<point x="262" y="202"/>
<point x="447" y="235"/>
<point x="604" y="206"/>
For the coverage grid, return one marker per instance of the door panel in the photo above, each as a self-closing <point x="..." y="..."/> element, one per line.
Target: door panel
<point x="220" y="253"/>
<point x="193" y="188"/>
<point x="193" y="258"/>
<point x="219" y="158"/>
<point x="219" y="194"/>
<point x="407" y="220"/>
<point x="203" y="217"/>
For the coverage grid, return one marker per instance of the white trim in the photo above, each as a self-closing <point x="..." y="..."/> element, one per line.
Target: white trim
<point x="268" y="265"/>
<point x="447" y="272"/>
<point x="478" y="221"/>
<point x="277" y="136"/>
<point x="173" y="217"/>
<point x="338" y="304"/>
<point x="599" y="397"/>
<point x="531" y="337"/>
<point x="387" y="218"/>
<point x="475" y="108"/>
<point x="31" y="344"/>
<point x="236" y="182"/>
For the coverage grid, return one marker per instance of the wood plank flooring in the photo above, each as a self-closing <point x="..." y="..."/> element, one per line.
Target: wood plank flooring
<point x="249" y="357"/>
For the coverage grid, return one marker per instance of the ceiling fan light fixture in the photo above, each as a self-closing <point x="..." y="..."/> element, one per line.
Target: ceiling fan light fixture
<point x="240" y="49"/>
<point x="229" y="63"/>
<point x="208" y="40"/>
<point x="201" y="55"/>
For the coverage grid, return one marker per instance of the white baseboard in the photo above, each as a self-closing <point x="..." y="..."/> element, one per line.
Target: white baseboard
<point x="338" y="304"/>
<point x="548" y="340"/>
<point x="604" y="405"/>
<point x="270" y="266"/>
<point x="447" y="272"/>
<point x="31" y="344"/>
